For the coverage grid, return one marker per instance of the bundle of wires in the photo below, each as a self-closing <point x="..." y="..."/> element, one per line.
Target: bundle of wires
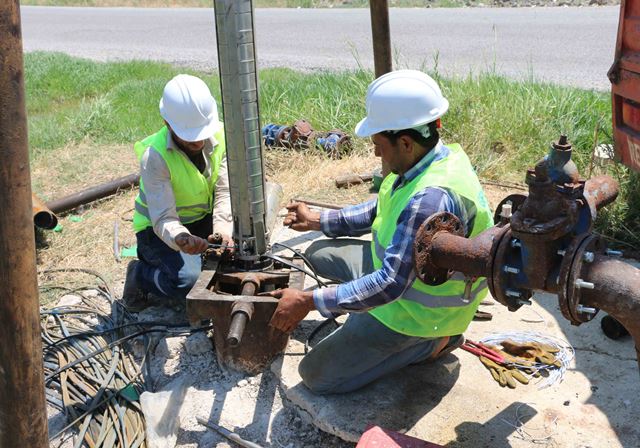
<point x="550" y="374"/>
<point x="88" y="375"/>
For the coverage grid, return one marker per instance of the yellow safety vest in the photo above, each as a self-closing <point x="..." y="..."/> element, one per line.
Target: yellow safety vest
<point x="423" y="310"/>
<point x="193" y="191"/>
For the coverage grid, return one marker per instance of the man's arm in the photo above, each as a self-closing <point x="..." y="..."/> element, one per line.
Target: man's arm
<point x="222" y="217"/>
<point x="396" y="274"/>
<point x="161" y="204"/>
<point x="355" y="220"/>
<point x="161" y="200"/>
<point x="350" y="221"/>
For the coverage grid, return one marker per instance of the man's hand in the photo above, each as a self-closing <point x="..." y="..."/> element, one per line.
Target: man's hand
<point x="191" y="244"/>
<point x="293" y="306"/>
<point x="300" y="218"/>
<point x="225" y="241"/>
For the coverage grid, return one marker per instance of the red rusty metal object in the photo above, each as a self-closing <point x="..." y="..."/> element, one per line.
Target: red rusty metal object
<point x="468" y="255"/>
<point x="624" y="75"/>
<point x="600" y="191"/>
<point x="93" y="194"/>
<point x="243" y="338"/>
<point x="42" y="216"/>
<point x="616" y="290"/>
<point x="426" y="270"/>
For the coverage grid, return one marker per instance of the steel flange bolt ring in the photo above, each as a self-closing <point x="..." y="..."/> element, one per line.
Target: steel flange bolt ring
<point x="575" y="283"/>
<point x="426" y="271"/>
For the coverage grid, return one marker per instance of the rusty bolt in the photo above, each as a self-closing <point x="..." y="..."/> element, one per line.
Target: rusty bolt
<point x="511" y="270"/>
<point x="588" y="257"/>
<point x="585" y="309"/>
<point x="582" y="284"/>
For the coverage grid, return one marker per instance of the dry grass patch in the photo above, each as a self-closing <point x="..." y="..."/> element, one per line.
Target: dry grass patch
<point x="62" y="171"/>
<point x="89" y="242"/>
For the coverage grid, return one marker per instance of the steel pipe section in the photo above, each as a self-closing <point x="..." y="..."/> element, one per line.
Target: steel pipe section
<point x="23" y="420"/>
<point x="42" y="216"/>
<point x="239" y="86"/>
<point x="93" y="193"/>
<point x="616" y="290"/>
<point x="471" y="256"/>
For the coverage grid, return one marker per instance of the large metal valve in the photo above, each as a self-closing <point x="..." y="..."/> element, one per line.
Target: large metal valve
<point x="542" y="241"/>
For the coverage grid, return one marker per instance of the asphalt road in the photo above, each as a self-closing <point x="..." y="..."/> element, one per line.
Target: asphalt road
<point x="570" y="46"/>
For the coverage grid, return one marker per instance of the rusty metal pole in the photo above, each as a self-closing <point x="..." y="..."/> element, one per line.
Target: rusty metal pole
<point x="381" y="36"/>
<point x="23" y="419"/>
<point x="381" y="44"/>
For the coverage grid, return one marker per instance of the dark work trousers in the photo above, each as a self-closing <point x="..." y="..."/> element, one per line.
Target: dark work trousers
<point x="167" y="272"/>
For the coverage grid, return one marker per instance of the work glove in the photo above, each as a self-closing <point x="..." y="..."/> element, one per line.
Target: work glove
<point x="504" y="375"/>
<point x="536" y="351"/>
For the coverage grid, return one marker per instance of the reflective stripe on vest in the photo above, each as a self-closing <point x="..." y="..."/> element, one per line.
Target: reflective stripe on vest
<point x="192" y="190"/>
<point x="423" y="310"/>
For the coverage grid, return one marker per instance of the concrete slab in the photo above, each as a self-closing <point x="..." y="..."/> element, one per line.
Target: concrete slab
<point x="455" y="402"/>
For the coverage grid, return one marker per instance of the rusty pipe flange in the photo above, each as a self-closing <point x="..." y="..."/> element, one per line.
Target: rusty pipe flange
<point x="563" y="276"/>
<point x="505" y="234"/>
<point x="425" y="269"/>
<point x="502" y="285"/>
<point x="591" y="245"/>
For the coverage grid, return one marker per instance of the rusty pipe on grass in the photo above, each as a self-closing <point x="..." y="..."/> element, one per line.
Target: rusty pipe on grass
<point x="616" y="290"/>
<point x="42" y="216"/>
<point x="23" y="419"/>
<point x="93" y="193"/>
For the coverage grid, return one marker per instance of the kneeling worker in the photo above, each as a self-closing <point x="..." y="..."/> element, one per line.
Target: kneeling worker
<point x="396" y="320"/>
<point x="184" y="194"/>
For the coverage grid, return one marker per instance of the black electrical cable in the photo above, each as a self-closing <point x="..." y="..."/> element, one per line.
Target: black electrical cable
<point x="320" y="326"/>
<point x="111" y="345"/>
<point x="296" y="267"/>
<point x="299" y="254"/>
<point x="110" y="330"/>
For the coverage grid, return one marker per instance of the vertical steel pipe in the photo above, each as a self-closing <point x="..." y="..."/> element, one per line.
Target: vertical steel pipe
<point x="381" y="36"/>
<point x="22" y="402"/>
<point x="239" y="85"/>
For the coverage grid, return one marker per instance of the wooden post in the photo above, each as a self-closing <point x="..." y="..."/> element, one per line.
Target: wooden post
<point x="381" y="44"/>
<point x="23" y="419"/>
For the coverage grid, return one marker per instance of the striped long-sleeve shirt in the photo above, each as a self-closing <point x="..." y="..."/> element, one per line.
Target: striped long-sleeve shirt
<point x="396" y="274"/>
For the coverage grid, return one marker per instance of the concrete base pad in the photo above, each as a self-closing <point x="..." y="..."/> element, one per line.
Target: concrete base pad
<point x="456" y="402"/>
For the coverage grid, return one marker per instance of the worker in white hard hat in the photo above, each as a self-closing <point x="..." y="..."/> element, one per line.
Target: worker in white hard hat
<point x="395" y="319"/>
<point x="184" y="194"/>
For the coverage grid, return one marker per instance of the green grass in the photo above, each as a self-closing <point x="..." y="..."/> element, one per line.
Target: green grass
<point x="504" y="125"/>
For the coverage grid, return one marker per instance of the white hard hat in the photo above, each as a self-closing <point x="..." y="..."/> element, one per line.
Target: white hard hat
<point x="399" y="100"/>
<point x="189" y="108"/>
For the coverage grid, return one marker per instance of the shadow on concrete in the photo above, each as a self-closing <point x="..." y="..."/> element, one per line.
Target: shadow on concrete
<point x="493" y="433"/>
<point x="396" y="401"/>
<point x="609" y="366"/>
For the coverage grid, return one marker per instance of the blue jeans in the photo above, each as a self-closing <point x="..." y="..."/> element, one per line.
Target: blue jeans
<point x="164" y="271"/>
<point x="363" y="349"/>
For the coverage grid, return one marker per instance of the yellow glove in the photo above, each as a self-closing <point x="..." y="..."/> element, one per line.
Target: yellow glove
<point x="541" y="353"/>
<point x="504" y="375"/>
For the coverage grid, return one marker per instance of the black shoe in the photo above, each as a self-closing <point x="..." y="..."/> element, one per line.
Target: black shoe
<point x="134" y="297"/>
